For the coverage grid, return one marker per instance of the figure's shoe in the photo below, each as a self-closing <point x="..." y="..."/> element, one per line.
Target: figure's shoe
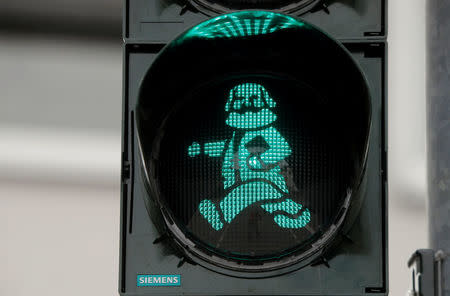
<point x="288" y="205"/>
<point x="299" y="222"/>
<point x="209" y="212"/>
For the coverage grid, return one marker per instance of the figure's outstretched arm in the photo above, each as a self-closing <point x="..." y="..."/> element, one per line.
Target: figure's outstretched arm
<point x="212" y="149"/>
<point x="279" y="148"/>
<point x="215" y="149"/>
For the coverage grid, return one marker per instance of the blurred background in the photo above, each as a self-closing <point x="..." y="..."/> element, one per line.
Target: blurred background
<point x="60" y="124"/>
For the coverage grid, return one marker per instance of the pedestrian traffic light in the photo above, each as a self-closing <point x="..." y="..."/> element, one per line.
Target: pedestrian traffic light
<point x="253" y="153"/>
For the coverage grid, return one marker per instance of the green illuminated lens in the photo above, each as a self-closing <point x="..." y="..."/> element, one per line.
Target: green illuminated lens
<point x="251" y="167"/>
<point x="242" y="24"/>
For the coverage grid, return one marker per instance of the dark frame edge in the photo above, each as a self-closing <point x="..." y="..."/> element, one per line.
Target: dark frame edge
<point x="123" y="184"/>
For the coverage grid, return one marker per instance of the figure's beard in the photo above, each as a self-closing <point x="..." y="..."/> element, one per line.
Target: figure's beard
<point x="251" y="120"/>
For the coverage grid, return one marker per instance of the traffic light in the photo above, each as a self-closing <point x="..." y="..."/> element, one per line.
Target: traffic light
<point x="254" y="148"/>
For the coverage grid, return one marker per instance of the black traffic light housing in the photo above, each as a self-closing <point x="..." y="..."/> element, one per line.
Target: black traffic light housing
<point x="354" y="263"/>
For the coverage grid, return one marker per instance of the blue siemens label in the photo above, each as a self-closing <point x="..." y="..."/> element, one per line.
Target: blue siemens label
<point x="158" y="280"/>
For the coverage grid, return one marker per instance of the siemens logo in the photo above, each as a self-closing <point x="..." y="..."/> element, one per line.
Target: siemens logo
<point x="158" y="280"/>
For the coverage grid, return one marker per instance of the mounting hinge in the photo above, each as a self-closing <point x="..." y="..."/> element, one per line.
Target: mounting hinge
<point x="126" y="169"/>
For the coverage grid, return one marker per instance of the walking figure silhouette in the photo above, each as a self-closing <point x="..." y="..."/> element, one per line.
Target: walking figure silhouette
<point x="251" y="162"/>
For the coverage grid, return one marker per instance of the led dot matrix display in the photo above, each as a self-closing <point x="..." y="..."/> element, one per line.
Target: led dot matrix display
<point x="239" y="172"/>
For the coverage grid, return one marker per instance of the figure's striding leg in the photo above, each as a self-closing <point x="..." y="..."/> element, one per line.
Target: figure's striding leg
<point x="245" y="195"/>
<point x="209" y="212"/>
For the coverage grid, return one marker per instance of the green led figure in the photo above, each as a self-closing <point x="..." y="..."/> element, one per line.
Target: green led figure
<point x="251" y="162"/>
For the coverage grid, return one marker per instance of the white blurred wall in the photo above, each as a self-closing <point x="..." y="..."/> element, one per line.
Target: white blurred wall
<point x="408" y="221"/>
<point x="59" y="164"/>
<point x="60" y="120"/>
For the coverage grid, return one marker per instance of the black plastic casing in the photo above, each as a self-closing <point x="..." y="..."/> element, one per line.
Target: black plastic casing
<point x="357" y="265"/>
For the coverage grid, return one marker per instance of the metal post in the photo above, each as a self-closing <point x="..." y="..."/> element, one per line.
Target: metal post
<point x="438" y="112"/>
